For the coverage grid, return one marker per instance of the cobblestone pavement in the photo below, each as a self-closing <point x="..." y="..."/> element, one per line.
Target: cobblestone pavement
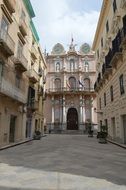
<point x="63" y="162"/>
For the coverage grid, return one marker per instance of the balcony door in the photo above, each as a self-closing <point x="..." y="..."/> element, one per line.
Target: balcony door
<point x="72" y="83"/>
<point x="57" y="84"/>
<point x="87" y="84"/>
<point x="72" y="119"/>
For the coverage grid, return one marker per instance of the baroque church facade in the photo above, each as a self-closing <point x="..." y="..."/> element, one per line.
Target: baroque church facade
<point x="70" y="102"/>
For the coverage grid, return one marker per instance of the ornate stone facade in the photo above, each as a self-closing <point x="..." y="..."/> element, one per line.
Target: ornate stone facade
<point x="70" y="88"/>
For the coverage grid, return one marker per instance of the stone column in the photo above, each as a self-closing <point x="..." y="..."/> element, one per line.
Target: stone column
<point x="63" y="113"/>
<point x="52" y="109"/>
<point x="81" y="108"/>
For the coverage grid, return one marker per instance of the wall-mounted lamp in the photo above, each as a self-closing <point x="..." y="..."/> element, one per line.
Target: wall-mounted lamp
<point x="98" y="112"/>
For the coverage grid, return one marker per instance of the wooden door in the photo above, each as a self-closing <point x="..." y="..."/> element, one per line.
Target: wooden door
<point x="72" y="119"/>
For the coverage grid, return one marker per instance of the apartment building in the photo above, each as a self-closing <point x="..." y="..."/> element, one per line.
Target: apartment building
<point x="70" y="92"/>
<point x="21" y="72"/>
<point x="110" y="47"/>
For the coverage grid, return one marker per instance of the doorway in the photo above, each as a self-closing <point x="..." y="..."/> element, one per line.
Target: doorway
<point x="72" y="119"/>
<point x="12" y="128"/>
<point x="124" y="127"/>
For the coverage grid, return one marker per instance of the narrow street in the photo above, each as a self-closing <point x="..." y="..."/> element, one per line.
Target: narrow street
<point x="60" y="162"/>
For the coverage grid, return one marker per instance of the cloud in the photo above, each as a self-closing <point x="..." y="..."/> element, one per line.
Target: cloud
<point x="59" y="21"/>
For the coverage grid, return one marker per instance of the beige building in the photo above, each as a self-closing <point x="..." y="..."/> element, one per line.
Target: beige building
<point x="70" y="92"/>
<point x="110" y="47"/>
<point x="22" y="68"/>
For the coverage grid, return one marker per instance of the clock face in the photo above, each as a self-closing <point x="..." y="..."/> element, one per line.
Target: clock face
<point x="85" y="48"/>
<point x="58" y="49"/>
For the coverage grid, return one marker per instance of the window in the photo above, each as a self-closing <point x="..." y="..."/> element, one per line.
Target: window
<point x="100" y="124"/>
<point x="20" y="49"/>
<point x="87" y="84"/>
<point x="107" y="26"/>
<point x="101" y="42"/>
<point x="57" y="66"/>
<point x="121" y="82"/>
<point x="57" y="84"/>
<point x="100" y="103"/>
<point x="114" y="6"/>
<point x="17" y="81"/>
<point x="111" y="93"/>
<point x="72" y="82"/>
<point x="106" y="123"/>
<point x="4" y="28"/>
<point x="104" y="99"/>
<point x="97" y="53"/>
<point x="1" y="69"/>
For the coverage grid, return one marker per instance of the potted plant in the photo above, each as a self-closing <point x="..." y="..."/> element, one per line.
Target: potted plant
<point x="37" y="135"/>
<point x="102" y="135"/>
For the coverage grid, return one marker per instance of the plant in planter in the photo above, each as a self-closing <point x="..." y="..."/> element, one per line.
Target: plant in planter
<point x="102" y="135"/>
<point x="90" y="131"/>
<point x="37" y="135"/>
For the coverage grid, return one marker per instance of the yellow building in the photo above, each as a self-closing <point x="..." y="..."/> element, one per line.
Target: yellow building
<point x="21" y="71"/>
<point x="110" y="47"/>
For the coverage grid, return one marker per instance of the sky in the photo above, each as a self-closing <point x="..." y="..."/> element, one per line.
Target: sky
<point x="57" y="21"/>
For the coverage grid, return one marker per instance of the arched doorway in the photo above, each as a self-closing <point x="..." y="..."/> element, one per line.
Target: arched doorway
<point x="72" y="119"/>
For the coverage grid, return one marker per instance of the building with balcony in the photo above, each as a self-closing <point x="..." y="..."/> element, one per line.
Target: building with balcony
<point x="20" y="78"/>
<point x="110" y="86"/>
<point x="70" y="96"/>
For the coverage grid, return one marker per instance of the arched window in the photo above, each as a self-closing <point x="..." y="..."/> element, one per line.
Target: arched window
<point x="57" y="84"/>
<point x="86" y="66"/>
<point x="72" y="65"/>
<point x="72" y="82"/>
<point x="87" y="84"/>
<point x="58" y="66"/>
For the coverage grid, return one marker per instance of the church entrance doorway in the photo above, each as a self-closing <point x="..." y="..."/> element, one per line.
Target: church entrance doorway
<point x="72" y="119"/>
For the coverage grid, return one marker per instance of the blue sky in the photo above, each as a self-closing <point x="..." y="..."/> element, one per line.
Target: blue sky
<point x="56" y="20"/>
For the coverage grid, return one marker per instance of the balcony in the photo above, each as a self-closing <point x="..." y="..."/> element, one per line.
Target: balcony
<point x="106" y="70"/>
<point x="33" y="76"/>
<point x="33" y="104"/>
<point x="21" y="63"/>
<point x="7" y="45"/>
<point x="23" y="27"/>
<point x="7" y="88"/>
<point x="65" y="90"/>
<point x="10" y="4"/>
<point x="34" y="52"/>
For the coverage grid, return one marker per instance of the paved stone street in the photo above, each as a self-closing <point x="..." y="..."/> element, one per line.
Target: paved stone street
<point x="63" y="162"/>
